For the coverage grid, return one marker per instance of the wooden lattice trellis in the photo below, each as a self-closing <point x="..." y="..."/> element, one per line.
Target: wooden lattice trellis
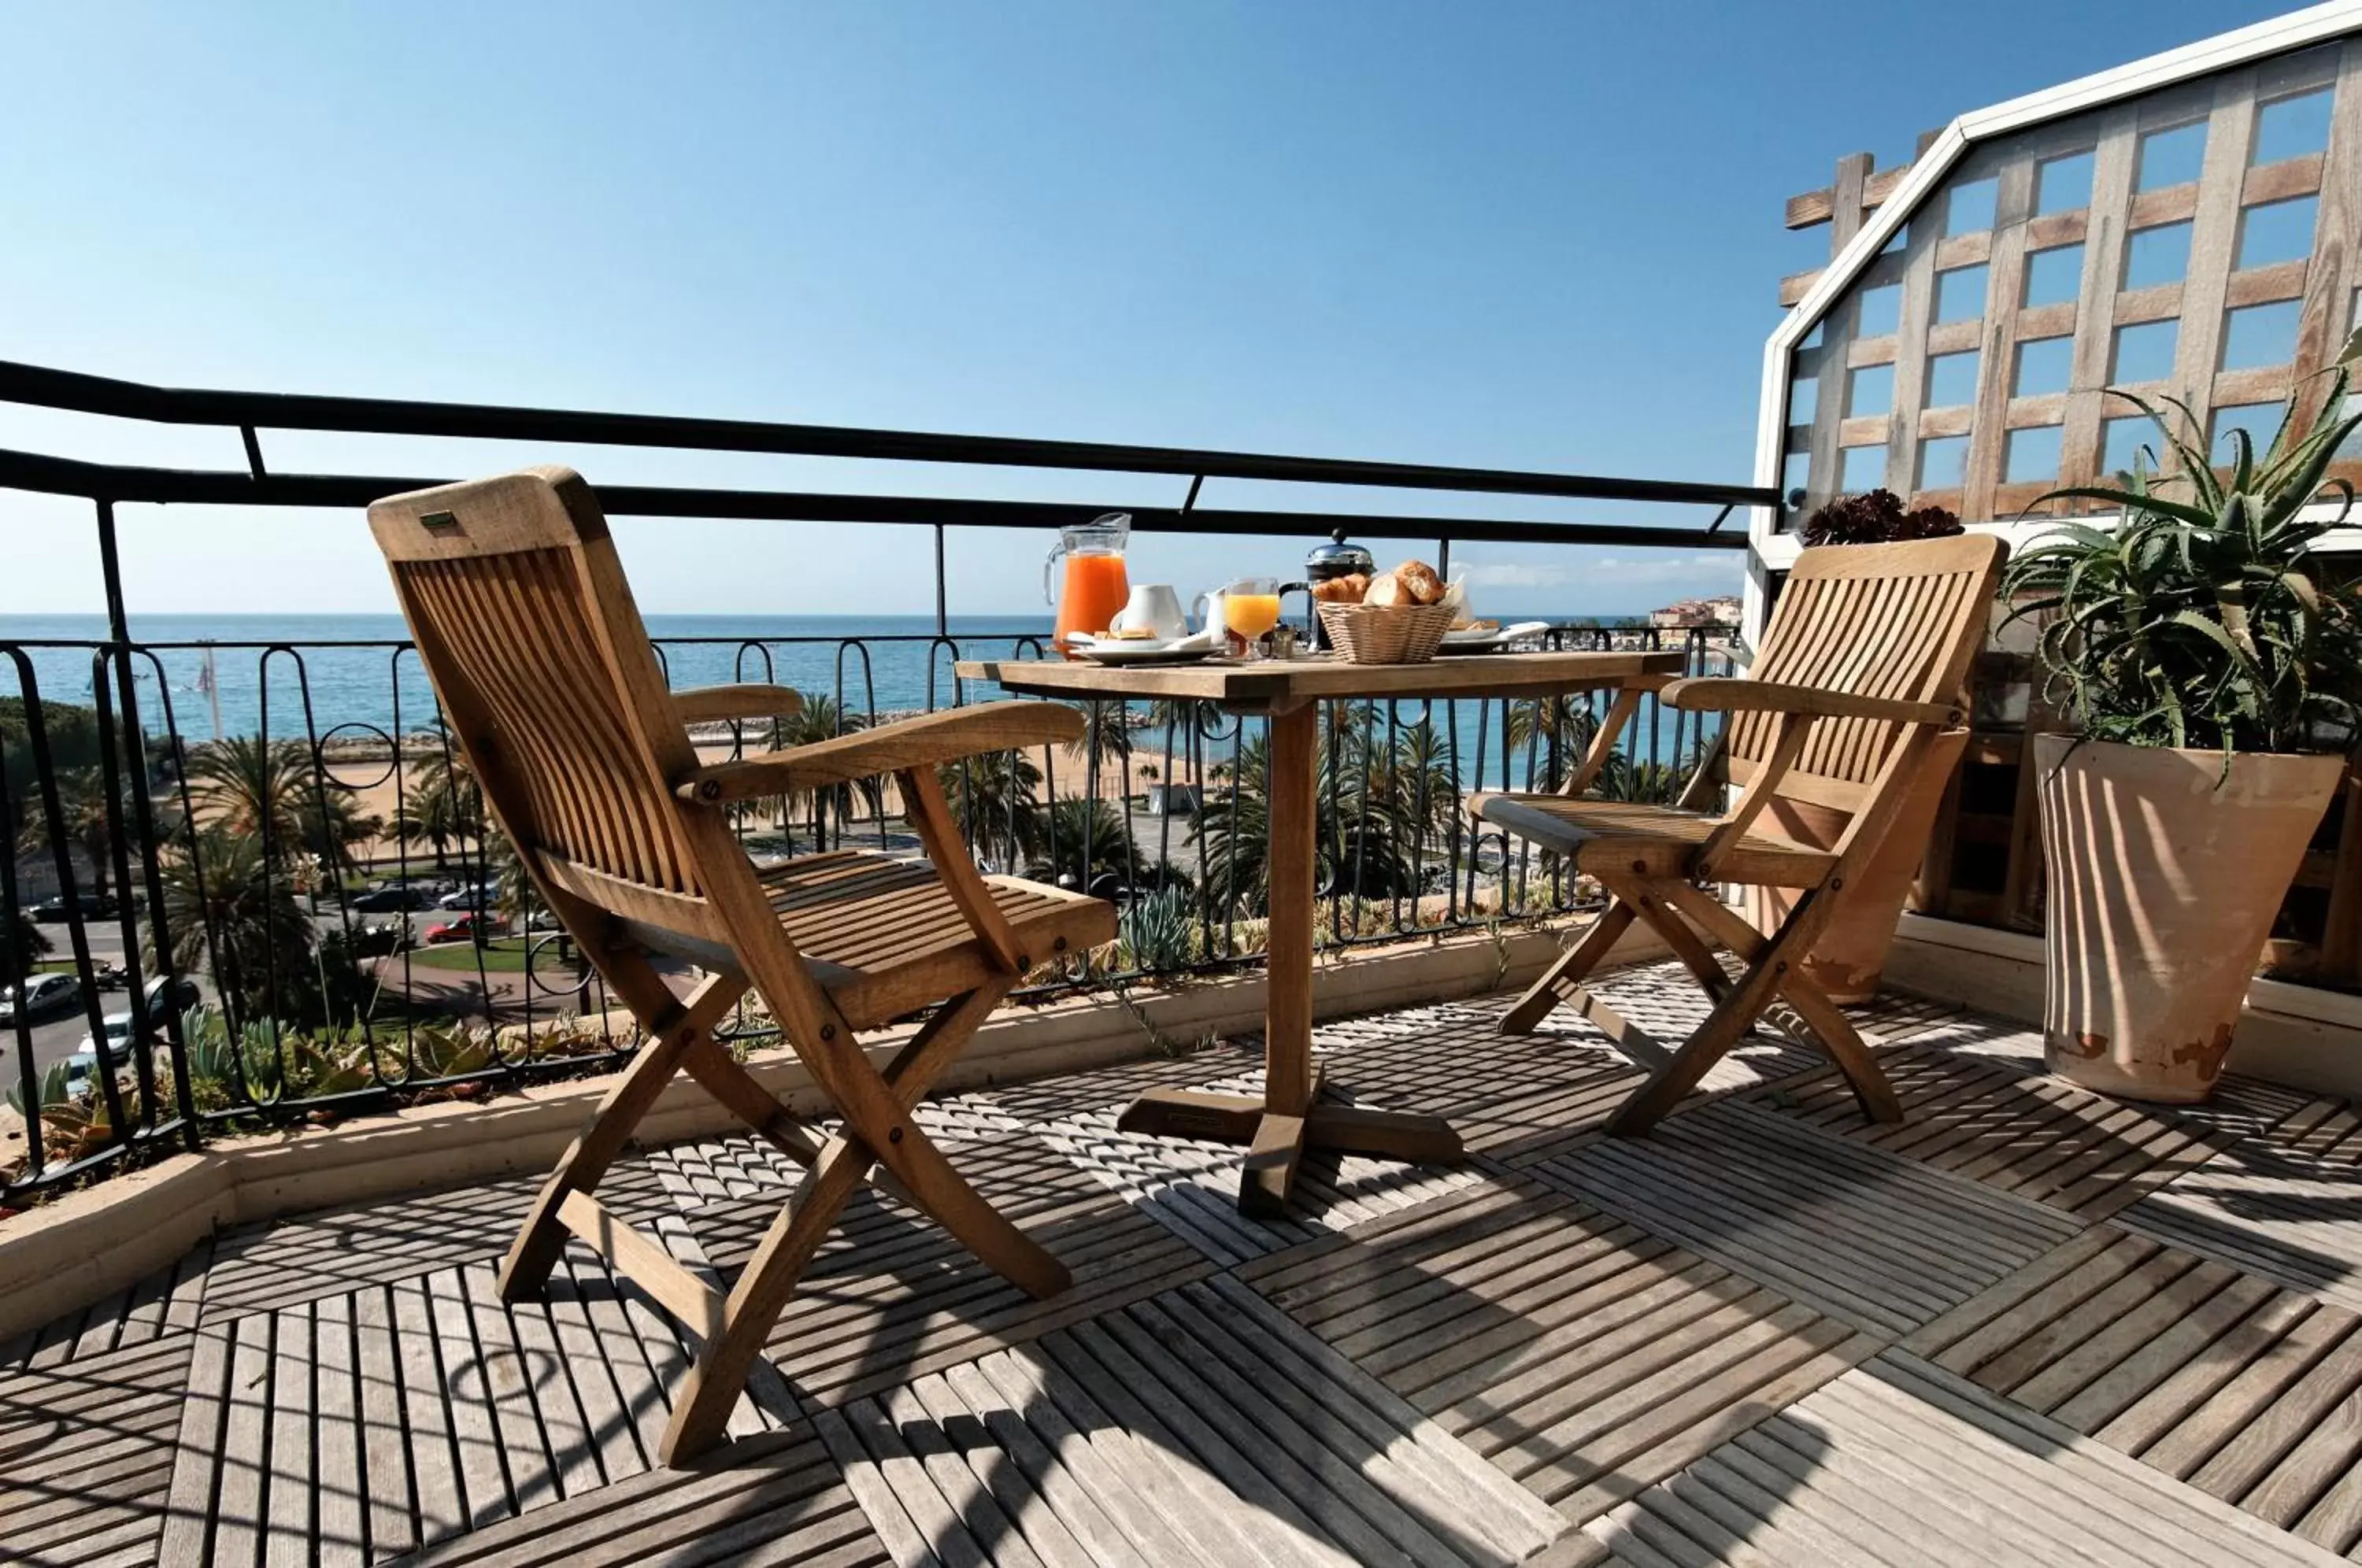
<point x="2109" y="143"/>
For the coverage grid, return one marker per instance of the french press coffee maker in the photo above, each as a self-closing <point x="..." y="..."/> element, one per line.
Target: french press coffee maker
<point x="1327" y="563"/>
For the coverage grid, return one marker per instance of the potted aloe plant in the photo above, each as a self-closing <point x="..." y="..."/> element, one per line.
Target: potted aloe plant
<point x="1849" y="956"/>
<point x="2213" y="663"/>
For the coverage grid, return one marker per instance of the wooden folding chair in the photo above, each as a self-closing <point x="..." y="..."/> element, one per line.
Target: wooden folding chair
<point x="528" y="630"/>
<point x="1862" y="666"/>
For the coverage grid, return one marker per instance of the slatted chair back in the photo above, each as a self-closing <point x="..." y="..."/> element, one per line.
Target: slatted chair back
<point x="1901" y="621"/>
<point x="526" y="625"/>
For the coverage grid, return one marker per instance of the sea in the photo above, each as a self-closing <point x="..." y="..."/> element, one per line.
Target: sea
<point x="347" y="676"/>
<point x="333" y="678"/>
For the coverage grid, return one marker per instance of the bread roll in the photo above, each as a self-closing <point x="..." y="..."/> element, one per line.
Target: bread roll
<point x="1420" y="579"/>
<point x="1386" y="591"/>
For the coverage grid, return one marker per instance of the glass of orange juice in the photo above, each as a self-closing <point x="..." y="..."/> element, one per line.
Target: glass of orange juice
<point x="1251" y="609"/>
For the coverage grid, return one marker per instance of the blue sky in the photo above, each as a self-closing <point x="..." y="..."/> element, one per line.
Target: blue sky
<point x="1526" y="236"/>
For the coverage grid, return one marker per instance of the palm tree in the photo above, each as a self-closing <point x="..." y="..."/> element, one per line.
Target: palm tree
<point x="81" y="797"/>
<point x="1558" y="729"/>
<point x="74" y="743"/>
<point x="244" y="781"/>
<point x="1369" y="802"/>
<point x="1657" y="783"/>
<point x="247" y="784"/>
<point x="1193" y="723"/>
<point x="1107" y="738"/>
<point x="21" y="942"/>
<point x="232" y="919"/>
<point x="446" y="808"/>
<point x="1414" y="780"/>
<point x="1087" y="846"/>
<point x="822" y="718"/>
<point x="996" y="800"/>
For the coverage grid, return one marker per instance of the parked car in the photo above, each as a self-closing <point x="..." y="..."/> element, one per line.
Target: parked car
<point x="156" y="1004"/>
<point x="467" y="928"/>
<point x="43" y="996"/>
<point x="401" y="896"/>
<point x="479" y="897"/>
<point x="118" y="1039"/>
<point x="58" y="912"/>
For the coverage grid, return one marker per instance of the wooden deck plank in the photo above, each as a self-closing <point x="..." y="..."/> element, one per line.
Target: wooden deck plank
<point x="1024" y="1416"/>
<point x="392" y="1473"/>
<point x="510" y="1379"/>
<point x="429" y="1421"/>
<point x="239" y="1493"/>
<point x="1891" y="1464"/>
<point x="466" y="1390"/>
<point x="780" y="1491"/>
<point x="292" y="1494"/>
<point x="301" y="1259"/>
<point x="1070" y="1532"/>
<point x="340" y="1525"/>
<point x="612" y="1449"/>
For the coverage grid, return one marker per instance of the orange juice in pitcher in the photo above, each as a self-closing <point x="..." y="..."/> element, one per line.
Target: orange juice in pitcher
<point x="1095" y="587"/>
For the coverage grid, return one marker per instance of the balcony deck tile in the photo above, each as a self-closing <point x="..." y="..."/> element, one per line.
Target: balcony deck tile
<point x="1579" y="1355"/>
<point x="1867" y="1237"/>
<point x="86" y="1452"/>
<point x="1987" y="1120"/>
<point x="891" y="1296"/>
<point x="165" y="1303"/>
<point x="1898" y="1462"/>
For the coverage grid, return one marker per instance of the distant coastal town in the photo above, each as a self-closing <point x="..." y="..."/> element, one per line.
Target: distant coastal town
<point x="1718" y="609"/>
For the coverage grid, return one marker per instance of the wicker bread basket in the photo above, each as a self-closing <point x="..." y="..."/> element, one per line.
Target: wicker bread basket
<point x="1386" y="633"/>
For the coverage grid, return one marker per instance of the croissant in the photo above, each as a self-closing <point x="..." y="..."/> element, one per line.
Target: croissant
<point x="1346" y="589"/>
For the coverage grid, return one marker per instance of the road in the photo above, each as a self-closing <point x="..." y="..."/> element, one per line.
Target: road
<point x="56" y="1038"/>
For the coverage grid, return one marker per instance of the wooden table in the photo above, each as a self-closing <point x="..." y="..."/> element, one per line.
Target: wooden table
<point x="1277" y="1128"/>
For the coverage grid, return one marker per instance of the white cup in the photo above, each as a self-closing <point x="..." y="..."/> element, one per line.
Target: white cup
<point x="1156" y="607"/>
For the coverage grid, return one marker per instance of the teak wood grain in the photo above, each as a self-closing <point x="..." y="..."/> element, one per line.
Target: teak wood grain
<point x="1277" y="685"/>
<point x="527" y="629"/>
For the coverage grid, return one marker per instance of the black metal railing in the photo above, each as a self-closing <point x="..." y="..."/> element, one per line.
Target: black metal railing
<point x="224" y="877"/>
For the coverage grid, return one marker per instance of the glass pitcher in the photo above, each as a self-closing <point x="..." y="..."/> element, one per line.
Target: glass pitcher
<point x="1095" y="587"/>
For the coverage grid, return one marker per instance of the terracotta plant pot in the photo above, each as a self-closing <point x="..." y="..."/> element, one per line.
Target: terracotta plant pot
<point x="1850" y="956"/>
<point x="2164" y="875"/>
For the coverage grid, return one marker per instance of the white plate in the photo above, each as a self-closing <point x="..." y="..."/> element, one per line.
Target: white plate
<point x="1146" y="653"/>
<point x="1495" y="641"/>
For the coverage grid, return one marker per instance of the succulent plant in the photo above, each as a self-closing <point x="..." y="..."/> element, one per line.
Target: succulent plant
<point x="2204" y="618"/>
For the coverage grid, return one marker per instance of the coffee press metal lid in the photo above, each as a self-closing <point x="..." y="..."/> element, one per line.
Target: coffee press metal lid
<point x="1337" y="558"/>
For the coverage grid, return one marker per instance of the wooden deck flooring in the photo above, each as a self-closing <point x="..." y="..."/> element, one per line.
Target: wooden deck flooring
<point x="2031" y="1325"/>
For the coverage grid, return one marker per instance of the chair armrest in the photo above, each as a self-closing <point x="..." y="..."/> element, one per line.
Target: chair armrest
<point x="947" y="737"/>
<point x="713" y="704"/>
<point x="1730" y="694"/>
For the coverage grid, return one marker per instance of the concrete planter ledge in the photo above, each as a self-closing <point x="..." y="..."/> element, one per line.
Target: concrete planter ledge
<point x="63" y="1256"/>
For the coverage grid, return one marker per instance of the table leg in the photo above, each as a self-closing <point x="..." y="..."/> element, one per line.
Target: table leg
<point x="1292" y="804"/>
<point x="1277" y="1128"/>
